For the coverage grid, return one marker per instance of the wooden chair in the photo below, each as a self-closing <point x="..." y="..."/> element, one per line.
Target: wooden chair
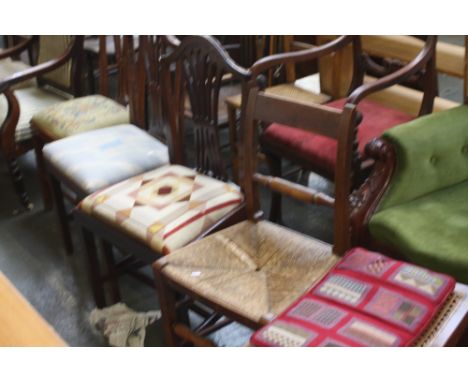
<point x="159" y="211"/>
<point x="58" y="76"/>
<point x="318" y="154"/>
<point x="253" y="270"/>
<point x="413" y="203"/>
<point x="10" y="61"/>
<point x="96" y="159"/>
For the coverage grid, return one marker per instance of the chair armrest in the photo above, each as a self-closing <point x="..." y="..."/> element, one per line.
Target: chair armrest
<point x="417" y="64"/>
<point x="365" y="200"/>
<point x="313" y="53"/>
<point x="40" y="69"/>
<point x="18" y="48"/>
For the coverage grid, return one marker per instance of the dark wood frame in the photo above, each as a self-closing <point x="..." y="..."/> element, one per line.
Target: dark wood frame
<point x="10" y="148"/>
<point x="337" y="124"/>
<point x="204" y="116"/>
<point x="423" y="63"/>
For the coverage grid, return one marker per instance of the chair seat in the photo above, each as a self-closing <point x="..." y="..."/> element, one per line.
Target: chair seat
<point x="31" y="101"/>
<point x="9" y="67"/>
<point x="165" y="208"/>
<point x="252" y="269"/>
<point x="430" y="231"/>
<point x="100" y="158"/>
<point x="319" y="152"/>
<point x="79" y="115"/>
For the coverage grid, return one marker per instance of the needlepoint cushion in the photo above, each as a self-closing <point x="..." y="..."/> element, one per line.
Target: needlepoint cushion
<point x="319" y="152"/>
<point x="366" y="300"/>
<point x="256" y="269"/>
<point x="100" y="158"/>
<point x="165" y="208"/>
<point x="430" y="230"/>
<point x="79" y="115"/>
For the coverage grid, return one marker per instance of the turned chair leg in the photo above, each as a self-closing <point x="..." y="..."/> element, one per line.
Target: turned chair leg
<point x="62" y="215"/>
<point x="18" y="183"/>
<point x="94" y="269"/>
<point x="274" y="163"/>
<point x="42" y="173"/>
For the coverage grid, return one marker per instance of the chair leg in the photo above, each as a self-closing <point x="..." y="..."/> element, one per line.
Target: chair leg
<point x="43" y="178"/>
<point x="18" y="183"/>
<point x="167" y="303"/>
<point x="233" y="142"/>
<point x="62" y="215"/>
<point x="111" y="271"/>
<point x="94" y="269"/>
<point x="274" y="163"/>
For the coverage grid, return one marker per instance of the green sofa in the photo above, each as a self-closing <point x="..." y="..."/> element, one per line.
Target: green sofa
<point x="423" y="213"/>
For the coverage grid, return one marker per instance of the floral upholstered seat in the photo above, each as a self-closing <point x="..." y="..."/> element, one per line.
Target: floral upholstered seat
<point x="79" y="115"/>
<point x="100" y="158"/>
<point x="165" y="208"/>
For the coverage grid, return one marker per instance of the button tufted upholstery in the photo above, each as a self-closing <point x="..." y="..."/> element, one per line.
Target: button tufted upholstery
<point x="100" y="158"/>
<point x="424" y="212"/>
<point x="79" y="115"/>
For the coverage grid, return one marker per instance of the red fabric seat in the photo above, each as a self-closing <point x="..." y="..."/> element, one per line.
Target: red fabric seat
<point x="317" y="152"/>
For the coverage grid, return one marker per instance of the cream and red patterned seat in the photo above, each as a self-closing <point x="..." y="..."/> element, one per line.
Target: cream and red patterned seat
<point x="165" y="208"/>
<point x="99" y="158"/>
<point x="79" y="115"/>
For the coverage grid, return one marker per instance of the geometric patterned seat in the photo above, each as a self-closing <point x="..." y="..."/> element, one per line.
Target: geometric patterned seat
<point x="79" y="115"/>
<point x="258" y="271"/>
<point x="100" y="158"/>
<point x="165" y="208"/>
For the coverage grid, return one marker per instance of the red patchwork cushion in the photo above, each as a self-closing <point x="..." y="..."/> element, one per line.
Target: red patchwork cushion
<point x="367" y="299"/>
<point x="319" y="151"/>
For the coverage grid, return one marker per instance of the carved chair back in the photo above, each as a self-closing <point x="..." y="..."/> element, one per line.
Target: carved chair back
<point x="333" y="123"/>
<point x="196" y="69"/>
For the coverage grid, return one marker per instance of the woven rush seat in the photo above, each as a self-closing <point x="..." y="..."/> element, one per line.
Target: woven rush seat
<point x="79" y="115"/>
<point x="32" y="101"/>
<point x="253" y="269"/>
<point x="100" y="158"/>
<point x="320" y="151"/>
<point x="165" y="208"/>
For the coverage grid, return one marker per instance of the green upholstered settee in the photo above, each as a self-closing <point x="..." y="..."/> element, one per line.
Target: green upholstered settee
<point x="415" y="203"/>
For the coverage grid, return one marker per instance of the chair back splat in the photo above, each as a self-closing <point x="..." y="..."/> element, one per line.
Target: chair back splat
<point x="195" y="72"/>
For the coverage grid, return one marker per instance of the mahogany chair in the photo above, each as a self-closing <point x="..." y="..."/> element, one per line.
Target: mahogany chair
<point x="158" y="211"/>
<point x="54" y="79"/>
<point x="10" y="61"/>
<point x="253" y="270"/>
<point x="318" y="154"/>
<point x="86" y="162"/>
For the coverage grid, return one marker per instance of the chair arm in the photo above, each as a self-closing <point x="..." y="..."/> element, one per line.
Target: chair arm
<point x="313" y="53"/>
<point x="40" y="69"/>
<point x="365" y="200"/>
<point x="417" y="64"/>
<point x="18" y="48"/>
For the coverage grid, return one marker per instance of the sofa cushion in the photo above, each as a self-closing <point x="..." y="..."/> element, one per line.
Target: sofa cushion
<point x="430" y="231"/>
<point x="100" y="158"/>
<point x="79" y="115"/>
<point x="319" y="152"/>
<point x="165" y="208"/>
<point x="432" y="153"/>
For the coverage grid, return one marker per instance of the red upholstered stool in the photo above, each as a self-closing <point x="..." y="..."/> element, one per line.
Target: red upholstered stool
<point x="318" y="153"/>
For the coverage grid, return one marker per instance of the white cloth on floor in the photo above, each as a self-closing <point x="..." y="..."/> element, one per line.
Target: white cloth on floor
<point x="122" y="325"/>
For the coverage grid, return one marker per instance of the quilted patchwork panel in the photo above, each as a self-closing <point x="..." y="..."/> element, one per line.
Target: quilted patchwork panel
<point x="166" y="208"/>
<point x="79" y="115"/>
<point x="100" y="158"/>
